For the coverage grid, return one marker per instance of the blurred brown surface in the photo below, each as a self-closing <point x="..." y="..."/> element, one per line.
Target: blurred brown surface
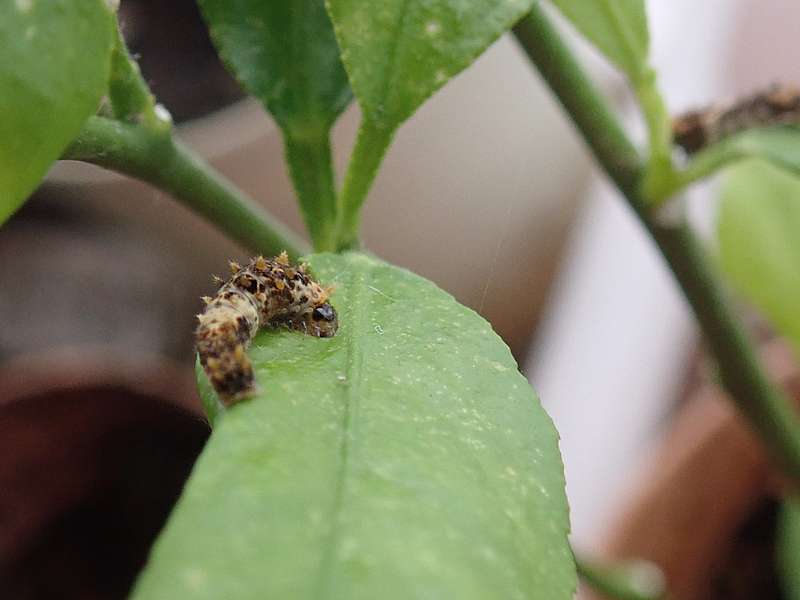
<point x="701" y="510"/>
<point x="171" y="44"/>
<point x="93" y="454"/>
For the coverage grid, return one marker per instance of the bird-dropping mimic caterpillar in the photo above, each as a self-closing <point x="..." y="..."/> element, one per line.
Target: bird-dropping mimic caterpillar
<point x="265" y="292"/>
<point x="696" y="129"/>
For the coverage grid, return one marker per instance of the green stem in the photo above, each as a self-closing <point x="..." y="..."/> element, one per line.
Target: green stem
<point x="308" y="154"/>
<point x="371" y="145"/>
<point x="765" y="405"/>
<point x="635" y="581"/>
<point x="589" y="112"/>
<point x="660" y="173"/>
<point x="710" y="160"/>
<point x="169" y="165"/>
<point x="131" y="98"/>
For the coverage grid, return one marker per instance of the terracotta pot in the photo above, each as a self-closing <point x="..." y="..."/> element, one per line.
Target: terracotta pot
<point x="94" y="450"/>
<point x="706" y="500"/>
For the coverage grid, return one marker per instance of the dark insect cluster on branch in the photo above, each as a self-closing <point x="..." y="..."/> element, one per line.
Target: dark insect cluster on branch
<point x="696" y="129"/>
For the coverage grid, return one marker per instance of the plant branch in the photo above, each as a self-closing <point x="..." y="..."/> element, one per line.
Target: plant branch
<point x="710" y="160"/>
<point x="130" y="96"/>
<point x="308" y="155"/>
<point x="371" y="144"/>
<point x="169" y="165"/>
<point x="767" y="408"/>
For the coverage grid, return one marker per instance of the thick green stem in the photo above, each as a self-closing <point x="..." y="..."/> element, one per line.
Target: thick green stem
<point x="371" y="145"/>
<point x="765" y="405"/>
<point x="589" y="112"/>
<point x="169" y="165"/>
<point x="308" y="154"/>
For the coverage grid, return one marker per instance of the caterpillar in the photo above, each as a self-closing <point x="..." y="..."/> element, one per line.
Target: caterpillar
<point x="265" y="292"/>
<point x="696" y="129"/>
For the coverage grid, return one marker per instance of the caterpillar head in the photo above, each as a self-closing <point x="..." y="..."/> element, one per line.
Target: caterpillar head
<point x="321" y="320"/>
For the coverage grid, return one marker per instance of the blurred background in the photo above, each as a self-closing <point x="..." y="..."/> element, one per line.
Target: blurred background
<point x="101" y="277"/>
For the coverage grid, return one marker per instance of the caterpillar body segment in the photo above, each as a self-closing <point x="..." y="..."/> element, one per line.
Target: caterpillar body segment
<point x="263" y="293"/>
<point x="696" y="129"/>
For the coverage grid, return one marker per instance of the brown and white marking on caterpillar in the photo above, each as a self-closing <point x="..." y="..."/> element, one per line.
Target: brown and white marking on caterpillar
<point x="265" y="292"/>
<point x="696" y="129"/>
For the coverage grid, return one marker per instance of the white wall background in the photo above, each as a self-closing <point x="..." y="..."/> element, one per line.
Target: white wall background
<point x="611" y="356"/>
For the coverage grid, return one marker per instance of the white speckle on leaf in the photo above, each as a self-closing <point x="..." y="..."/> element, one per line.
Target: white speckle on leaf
<point x="440" y="76"/>
<point x="433" y="28"/>
<point x="24" y="6"/>
<point x="162" y="114"/>
<point x="347" y="548"/>
<point x="195" y="578"/>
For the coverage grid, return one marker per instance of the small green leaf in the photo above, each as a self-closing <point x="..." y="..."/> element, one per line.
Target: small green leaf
<point x="286" y="55"/>
<point x="617" y="27"/>
<point x="759" y="241"/>
<point x="789" y="548"/>
<point x="406" y="457"/>
<point x="397" y="54"/>
<point x="54" y="68"/>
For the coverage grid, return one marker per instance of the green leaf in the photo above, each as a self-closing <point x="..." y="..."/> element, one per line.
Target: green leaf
<point x="54" y="69"/>
<point x="406" y="457"/>
<point x="788" y="549"/>
<point x="759" y="239"/>
<point x="397" y="54"/>
<point x="285" y="54"/>
<point x="617" y="27"/>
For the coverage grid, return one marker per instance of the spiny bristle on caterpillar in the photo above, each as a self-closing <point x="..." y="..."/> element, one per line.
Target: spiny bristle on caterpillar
<point x="265" y="292"/>
<point x="697" y="129"/>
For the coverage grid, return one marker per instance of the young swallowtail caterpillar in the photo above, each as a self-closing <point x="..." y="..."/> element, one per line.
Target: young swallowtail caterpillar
<point x="778" y="105"/>
<point x="265" y="292"/>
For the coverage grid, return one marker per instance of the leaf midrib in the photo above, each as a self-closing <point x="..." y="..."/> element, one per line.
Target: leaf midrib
<point x="350" y="397"/>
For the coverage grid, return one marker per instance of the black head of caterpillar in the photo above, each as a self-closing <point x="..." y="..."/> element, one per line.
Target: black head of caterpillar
<point x="265" y="292"/>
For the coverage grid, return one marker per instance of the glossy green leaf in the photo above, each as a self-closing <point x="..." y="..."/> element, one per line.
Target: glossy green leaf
<point x="759" y="240"/>
<point x="54" y="65"/>
<point x="788" y="548"/>
<point x="286" y="55"/>
<point x="617" y="27"/>
<point x="397" y="54"/>
<point x="406" y="457"/>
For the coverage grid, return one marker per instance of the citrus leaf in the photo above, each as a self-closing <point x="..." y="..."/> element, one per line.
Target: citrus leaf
<point x="788" y="548"/>
<point x="759" y="241"/>
<point x="406" y="457"/>
<point x="399" y="52"/>
<point x="285" y="54"/>
<point x="54" y="69"/>
<point x="617" y="27"/>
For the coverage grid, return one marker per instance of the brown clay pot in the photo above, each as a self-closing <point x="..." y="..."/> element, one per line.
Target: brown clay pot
<point x="94" y="450"/>
<point x="705" y="508"/>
